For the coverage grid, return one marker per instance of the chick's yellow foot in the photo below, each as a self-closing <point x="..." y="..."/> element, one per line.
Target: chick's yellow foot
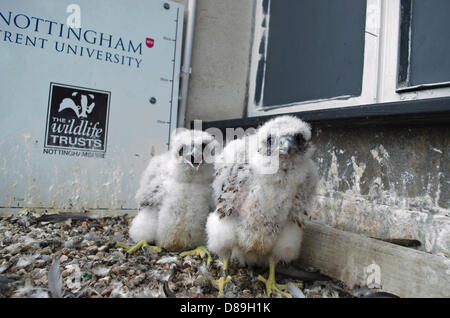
<point x="271" y="284"/>
<point x="199" y="251"/>
<point x="141" y="245"/>
<point x="220" y="284"/>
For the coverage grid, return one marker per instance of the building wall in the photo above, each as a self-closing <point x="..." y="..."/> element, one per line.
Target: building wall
<point x="386" y="182"/>
<point x="381" y="182"/>
<point x="220" y="59"/>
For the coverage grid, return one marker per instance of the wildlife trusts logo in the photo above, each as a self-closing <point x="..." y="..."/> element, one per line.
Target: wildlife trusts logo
<point x="77" y="121"/>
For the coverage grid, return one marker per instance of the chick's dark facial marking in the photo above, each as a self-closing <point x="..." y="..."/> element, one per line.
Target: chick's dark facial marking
<point x="287" y="145"/>
<point x="269" y="145"/>
<point x="292" y="145"/>
<point x="300" y="143"/>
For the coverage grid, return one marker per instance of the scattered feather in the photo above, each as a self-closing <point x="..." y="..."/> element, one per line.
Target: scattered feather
<point x="91" y="236"/>
<point x="39" y="293"/>
<point x="32" y="292"/>
<point x="27" y="240"/>
<point x="167" y="260"/>
<point x="295" y="291"/>
<point x="3" y="268"/>
<point x="13" y="248"/>
<point x="55" y="280"/>
<point x="25" y="290"/>
<point x="205" y="273"/>
<point x="117" y="291"/>
<point x="56" y="218"/>
<point x="26" y="260"/>
<point x="101" y="271"/>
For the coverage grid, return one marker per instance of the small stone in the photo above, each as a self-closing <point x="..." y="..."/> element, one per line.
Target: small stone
<point x="65" y="250"/>
<point x="66" y="273"/>
<point x="107" y="291"/>
<point x="138" y="279"/>
<point x="131" y="272"/>
<point x="173" y="286"/>
<point x="103" y="248"/>
<point x="84" y="244"/>
<point x="63" y="259"/>
<point x="46" y="258"/>
<point x="92" y="248"/>
<point x="46" y="250"/>
<point x="22" y="272"/>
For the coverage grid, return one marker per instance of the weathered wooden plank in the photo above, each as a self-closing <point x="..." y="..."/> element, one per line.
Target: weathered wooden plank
<point x="346" y="256"/>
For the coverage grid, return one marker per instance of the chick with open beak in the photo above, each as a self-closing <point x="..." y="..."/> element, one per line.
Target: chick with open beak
<point x="175" y="196"/>
<point x="192" y="155"/>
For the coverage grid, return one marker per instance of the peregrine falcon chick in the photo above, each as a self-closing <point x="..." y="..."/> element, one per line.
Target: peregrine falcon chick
<point x="175" y="195"/>
<point x="260" y="211"/>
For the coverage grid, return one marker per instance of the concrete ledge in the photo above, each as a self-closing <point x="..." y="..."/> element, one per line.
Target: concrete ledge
<point x="365" y="216"/>
<point x="345" y="256"/>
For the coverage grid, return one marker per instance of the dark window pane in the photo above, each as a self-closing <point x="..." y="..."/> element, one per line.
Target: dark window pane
<point x="315" y="50"/>
<point x="426" y="59"/>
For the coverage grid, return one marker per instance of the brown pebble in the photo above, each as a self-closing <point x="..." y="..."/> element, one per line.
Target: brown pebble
<point x="107" y="291"/>
<point x="65" y="273"/>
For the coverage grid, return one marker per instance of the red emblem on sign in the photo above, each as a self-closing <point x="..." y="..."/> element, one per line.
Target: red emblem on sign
<point x="149" y="42"/>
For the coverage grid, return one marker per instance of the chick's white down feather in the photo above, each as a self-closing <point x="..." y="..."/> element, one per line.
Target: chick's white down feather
<point x="260" y="217"/>
<point x="175" y="195"/>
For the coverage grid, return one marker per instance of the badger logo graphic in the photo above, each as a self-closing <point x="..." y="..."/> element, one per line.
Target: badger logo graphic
<point x="80" y="110"/>
<point x="77" y="119"/>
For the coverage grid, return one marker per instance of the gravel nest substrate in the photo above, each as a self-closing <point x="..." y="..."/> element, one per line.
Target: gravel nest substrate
<point x="78" y="254"/>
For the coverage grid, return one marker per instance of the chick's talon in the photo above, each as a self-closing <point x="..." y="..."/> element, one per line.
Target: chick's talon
<point x="122" y="245"/>
<point x="141" y="245"/>
<point x="271" y="284"/>
<point x="220" y="284"/>
<point x="200" y="251"/>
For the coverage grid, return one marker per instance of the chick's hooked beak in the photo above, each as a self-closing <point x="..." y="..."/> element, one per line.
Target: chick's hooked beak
<point x="288" y="146"/>
<point x="194" y="159"/>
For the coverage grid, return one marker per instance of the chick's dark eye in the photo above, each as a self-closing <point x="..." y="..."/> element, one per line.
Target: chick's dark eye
<point x="180" y="152"/>
<point x="299" y="140"/>
<point x="269" y="141"/>
<point x="269" y="145"/>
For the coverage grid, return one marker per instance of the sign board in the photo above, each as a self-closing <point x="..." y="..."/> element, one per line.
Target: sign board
<point x="88" y="92"/>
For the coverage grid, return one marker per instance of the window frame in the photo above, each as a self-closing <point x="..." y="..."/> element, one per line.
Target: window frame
<point x="389" y="91"/>
<point x="381" y="66"/>
<point x="403" y="81"/>
<point x="369" y="82"/>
